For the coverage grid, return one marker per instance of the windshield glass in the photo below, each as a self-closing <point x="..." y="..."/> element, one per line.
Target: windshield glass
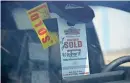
<point x="50" y="41"/>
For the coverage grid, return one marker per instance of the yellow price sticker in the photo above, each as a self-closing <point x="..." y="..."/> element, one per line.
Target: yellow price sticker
<point x="41" y="30"/>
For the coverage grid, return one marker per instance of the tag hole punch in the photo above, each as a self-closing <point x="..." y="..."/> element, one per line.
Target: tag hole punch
<point x="70" y="24"/>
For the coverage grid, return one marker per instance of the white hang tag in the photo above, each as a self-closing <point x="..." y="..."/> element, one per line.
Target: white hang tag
<point x="73" y="49"/>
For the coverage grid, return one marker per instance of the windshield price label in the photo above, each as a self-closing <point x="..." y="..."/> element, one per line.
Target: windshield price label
<point x="41" y="30"/>
<point x="36" y="16"/>
<point x="73" y="49"/>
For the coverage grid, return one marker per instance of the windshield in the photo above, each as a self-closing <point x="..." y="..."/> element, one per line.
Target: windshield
<point x="50" y="41"/>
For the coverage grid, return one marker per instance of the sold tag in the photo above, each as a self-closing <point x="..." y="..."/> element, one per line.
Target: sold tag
<point x="36" y="16"/>
<point x="41" y="30"/>
<point x="73" y="49"/>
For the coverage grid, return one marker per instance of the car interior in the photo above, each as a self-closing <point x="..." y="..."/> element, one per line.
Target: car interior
<point x="21" y="50"/>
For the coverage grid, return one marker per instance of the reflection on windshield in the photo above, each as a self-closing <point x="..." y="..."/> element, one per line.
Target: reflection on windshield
<point x="40" y="43"/>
